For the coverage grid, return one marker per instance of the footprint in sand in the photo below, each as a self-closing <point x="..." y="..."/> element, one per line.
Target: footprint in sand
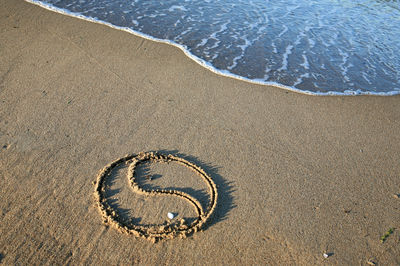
<point x="163" y="231"/>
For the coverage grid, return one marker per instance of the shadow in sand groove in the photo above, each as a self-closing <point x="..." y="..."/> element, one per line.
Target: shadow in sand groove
<point x="225" y="189"/>
<point x="212" y="206"/>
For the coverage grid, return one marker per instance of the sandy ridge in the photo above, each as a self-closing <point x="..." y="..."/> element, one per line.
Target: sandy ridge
<point x="167" y="230"/>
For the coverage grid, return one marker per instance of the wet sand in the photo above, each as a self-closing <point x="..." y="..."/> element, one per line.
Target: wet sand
<point x="296" y="175"/>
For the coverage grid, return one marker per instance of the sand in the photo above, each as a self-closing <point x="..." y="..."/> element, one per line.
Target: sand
<point x="171" y="228"/>
<point x="297" y="176"/>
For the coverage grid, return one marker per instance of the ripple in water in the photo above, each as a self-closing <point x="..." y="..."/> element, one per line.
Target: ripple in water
<point x="325" y="46"/>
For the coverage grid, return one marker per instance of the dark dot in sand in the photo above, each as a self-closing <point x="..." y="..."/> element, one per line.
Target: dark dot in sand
<point x="5" y="146"/>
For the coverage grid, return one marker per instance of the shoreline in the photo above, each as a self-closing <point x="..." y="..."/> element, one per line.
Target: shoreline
<point x="203" y="63"/>
<point x="296" y="176"/>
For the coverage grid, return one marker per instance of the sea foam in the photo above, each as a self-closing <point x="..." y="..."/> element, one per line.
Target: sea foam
<point x="295" y="46"/>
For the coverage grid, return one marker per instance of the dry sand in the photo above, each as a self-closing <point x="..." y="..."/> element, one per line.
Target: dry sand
<point x="297" y="175"/>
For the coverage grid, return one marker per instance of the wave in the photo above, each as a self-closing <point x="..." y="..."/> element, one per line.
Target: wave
<point x="228" y="73"/>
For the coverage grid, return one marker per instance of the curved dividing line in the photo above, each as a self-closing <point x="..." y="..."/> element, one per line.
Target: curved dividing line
<point x="166" y="231"/>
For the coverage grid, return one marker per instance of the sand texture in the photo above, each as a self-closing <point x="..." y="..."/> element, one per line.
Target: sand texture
<point x="153" y="232"/>
<point x="296" y="176"/>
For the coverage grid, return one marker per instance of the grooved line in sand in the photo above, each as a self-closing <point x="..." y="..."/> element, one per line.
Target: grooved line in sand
<point x="165" y="231"/>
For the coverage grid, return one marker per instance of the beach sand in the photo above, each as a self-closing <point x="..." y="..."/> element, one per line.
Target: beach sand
<point x="297" y="175"/>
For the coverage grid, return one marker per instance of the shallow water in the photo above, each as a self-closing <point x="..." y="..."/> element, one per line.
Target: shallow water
<point x="318" y="47"/>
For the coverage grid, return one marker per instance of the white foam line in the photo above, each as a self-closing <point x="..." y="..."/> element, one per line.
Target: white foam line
<point x="243" y="47"/>
<point x="202" y="43"/>
<point x="274" y="50"/>
<point x="176" y="7"/>
<point x="365" y="77"/>
<point x="284" y="31"/>
<point x="300" y="79"/>
<point x="135" y="22"/>
<point x="214" y="36"/>
<point x="343" y="66"/>
<point x="288" y="52"/>
<point x="205" y="64"/>
<point x="223" y="28"/>
<point x="305" y="63"/>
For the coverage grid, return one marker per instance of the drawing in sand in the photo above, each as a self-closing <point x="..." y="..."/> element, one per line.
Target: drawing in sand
<point x="167" y="230"/>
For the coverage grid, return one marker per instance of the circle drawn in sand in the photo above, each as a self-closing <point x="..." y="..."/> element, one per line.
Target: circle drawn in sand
<point x="159" y="232"/>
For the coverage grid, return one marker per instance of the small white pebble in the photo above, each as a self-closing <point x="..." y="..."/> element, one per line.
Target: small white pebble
<point x="326" y="255"/>
<point x="170" y="215"/>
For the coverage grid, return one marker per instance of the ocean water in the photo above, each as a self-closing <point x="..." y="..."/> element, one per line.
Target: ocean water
<point x="316" y="47"/>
